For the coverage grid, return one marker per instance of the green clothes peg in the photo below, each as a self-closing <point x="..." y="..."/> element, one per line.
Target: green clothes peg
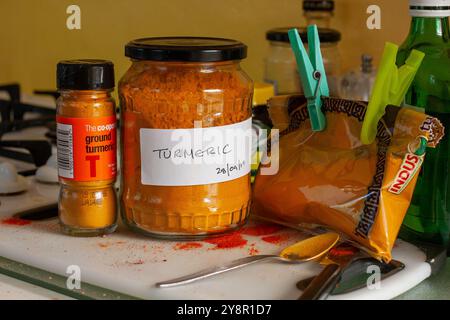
<point x="312" y="74"/>
<point x="391" y="85"/>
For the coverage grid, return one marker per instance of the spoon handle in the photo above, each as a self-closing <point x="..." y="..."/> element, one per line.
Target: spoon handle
<point x="209" y="272"/>
<point x="323" y="284"/>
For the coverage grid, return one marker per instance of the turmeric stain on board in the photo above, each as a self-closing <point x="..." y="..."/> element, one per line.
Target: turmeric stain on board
<point x="103" y="245"/>
<point x="15" y="222"/>
<point x="187" y="246"/>
<point x="260" y="230"/>
<point x="253" y="251"/>
<point x="236" y="239"/>
<point x="276" y="239"/>
<point x="343" y="251"/>
<point x="228" y="241"/>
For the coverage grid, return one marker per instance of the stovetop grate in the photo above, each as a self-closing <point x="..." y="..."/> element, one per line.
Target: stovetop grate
<point x="12" y="112"/>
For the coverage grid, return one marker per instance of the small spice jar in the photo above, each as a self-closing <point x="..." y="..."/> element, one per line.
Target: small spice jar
<point x="186" y="136"/>
<point x="262" y="93"/>
<point x="86" y="145"/>
<point x="261" y="123"/>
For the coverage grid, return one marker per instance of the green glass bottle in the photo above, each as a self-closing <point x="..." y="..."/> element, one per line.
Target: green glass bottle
<point x="428" y="217"/>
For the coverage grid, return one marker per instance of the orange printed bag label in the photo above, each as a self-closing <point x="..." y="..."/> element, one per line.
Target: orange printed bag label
<point x="331" y="179"/>
<point x="86" y="148"/>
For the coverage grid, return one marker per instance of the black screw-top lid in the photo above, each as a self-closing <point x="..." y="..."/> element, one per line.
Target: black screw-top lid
<point x="189" y="49"/>
<point x="318" y="5"/>
<point x="281" y="35"/>
<point x="85" y="74"/>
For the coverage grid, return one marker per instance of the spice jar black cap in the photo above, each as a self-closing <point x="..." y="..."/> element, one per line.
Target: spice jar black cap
<point x="85" y="74"/>
<point x="318" y="5"/>
<point x="186" y="49"/>
<point x="281" y="35"/>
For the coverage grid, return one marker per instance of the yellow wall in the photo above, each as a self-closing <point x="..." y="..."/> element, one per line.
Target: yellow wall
<point x="33" y="33"/>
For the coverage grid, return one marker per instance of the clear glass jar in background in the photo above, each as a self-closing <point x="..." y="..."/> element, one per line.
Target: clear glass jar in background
<point x="357" y="85"/>
<point x="174" y="85"/>
<point x="281" y="66"/>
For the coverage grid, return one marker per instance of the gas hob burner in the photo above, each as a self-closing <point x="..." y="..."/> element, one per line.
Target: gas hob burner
<point x="24" y="119"/>
<point x="51" y="133"/>
<point x="49" y="172"/>
<point x="14" y="106"/>
<point x="11" y="183"/>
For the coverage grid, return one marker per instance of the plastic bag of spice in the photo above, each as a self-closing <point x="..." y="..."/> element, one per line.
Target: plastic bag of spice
<point x="331" y="179"/>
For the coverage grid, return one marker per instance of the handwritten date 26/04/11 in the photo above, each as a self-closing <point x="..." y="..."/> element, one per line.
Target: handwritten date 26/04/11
<point x="229" y="168"/>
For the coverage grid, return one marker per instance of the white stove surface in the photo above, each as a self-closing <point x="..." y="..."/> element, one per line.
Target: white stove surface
<point x="38" y="195"/>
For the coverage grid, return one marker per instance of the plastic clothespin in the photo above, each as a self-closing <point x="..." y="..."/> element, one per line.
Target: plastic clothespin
<point x="391" y="85"/>
<point x="312" y="74"/>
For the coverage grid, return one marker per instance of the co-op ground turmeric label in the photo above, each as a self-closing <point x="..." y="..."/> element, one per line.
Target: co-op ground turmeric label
<point x="86" y="148"/>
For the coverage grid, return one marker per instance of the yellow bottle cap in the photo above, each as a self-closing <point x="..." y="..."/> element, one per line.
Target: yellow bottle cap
<point x="262" y="92"/>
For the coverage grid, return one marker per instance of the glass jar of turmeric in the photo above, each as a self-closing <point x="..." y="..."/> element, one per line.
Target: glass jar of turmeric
<point x="186" y="137"/>
<point x="86" y="147"/>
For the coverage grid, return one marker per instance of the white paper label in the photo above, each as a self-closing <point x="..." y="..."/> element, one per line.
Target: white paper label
<point x="186" y="157"/>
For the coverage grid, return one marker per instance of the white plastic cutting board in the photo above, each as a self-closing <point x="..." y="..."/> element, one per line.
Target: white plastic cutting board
<point x="132" y="264"/>
<point x="13" y="289"/>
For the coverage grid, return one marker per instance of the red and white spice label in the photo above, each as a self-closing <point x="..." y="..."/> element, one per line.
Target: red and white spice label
<point x="86" y="148"/>
<point x="410" y="165"/>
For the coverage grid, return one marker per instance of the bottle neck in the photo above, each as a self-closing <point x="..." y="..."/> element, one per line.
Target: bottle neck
<point x="433" y="30"/>
<point x="320" y="18"/>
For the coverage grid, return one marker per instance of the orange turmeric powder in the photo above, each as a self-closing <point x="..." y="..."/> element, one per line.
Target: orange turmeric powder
<point x="86" y="141"/>
<point x="175" y="95"/>
<point x="331" y="179"/>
